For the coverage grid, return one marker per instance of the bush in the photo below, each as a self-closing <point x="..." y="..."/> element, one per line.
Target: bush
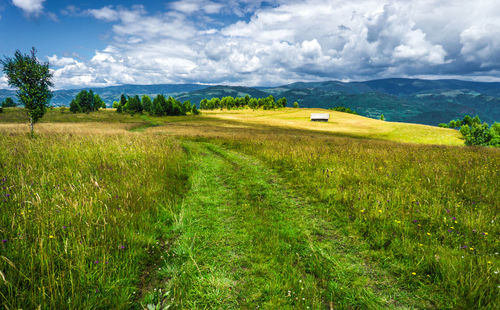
<point x="8" y="103"/>
<point x="480" y="133"/>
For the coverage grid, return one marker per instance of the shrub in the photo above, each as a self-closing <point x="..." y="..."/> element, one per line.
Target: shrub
<point x="8" y="103"/>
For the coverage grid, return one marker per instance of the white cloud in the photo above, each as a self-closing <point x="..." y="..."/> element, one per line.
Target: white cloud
<point x="106" y="13"/>
<point x="30" y="7"/>
<point x="54" y="60"/>
<point x="192" y="6"/>
<point x="3" y="82"/>
<point x="52" y="16"/>
<point x="71" y="10"/>
<point x="480" y="43"/>
<point x="292" y="40"/>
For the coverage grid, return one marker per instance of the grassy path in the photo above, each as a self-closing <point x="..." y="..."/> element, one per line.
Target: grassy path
<point x="244" y="241"/>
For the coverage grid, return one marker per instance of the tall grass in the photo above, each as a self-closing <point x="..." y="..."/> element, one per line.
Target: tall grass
<point x="427" y="214"/>
<point x="79" y="214"/>
<point x="80" y="196"/>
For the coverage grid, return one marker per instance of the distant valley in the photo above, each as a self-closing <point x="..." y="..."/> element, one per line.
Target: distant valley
<point x="403" y="100"/>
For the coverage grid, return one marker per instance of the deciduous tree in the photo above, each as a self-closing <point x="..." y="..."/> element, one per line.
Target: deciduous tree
<point x="32" y="80"/>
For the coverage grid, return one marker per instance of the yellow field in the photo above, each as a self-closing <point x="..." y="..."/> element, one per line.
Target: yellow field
<point x="343" y="124"/>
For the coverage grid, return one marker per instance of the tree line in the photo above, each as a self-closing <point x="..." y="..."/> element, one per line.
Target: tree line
<point x="228" y="102"/>
<point x="159" y="106"/>
<point x="343" y="109"/>
<point x="476" y="132"/>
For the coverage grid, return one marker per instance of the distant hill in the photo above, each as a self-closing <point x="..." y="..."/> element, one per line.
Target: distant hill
<point x="405" y="100"/>
<point x="109" y="94"/>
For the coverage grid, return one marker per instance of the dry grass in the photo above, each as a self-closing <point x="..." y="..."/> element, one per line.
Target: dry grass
<point x="343" y="124"/>
<point x="92" y="128"/>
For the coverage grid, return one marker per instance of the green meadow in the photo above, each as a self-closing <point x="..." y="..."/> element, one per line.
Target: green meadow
<point x="245" y="209"/>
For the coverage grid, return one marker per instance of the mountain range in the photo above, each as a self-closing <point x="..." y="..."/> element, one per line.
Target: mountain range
<point x="403" y="100"/>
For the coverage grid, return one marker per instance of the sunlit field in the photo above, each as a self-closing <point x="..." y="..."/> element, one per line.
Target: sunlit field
<point x="343" y="124"/>
<point x="239" y="209"/>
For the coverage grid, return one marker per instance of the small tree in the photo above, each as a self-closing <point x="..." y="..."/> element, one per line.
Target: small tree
<point x="382" y="117"/>
<point x="134" y="105"/>
<point x="195" y="110"/>
<point x="467" y="120"/>
<point x="98" y="103"/>
<point x="476" y="120"/>
<point x="147" y="105"/>
<point x="8" y="103"/>
<point x="204" y="104"/>
<point x="32" y="79"/>
<point x="296" y="105"/>
<point x="281" y="102"/>
<point x="74" y="106"/>
<point x="186" y="107"/>
<point x="122" y="105"/>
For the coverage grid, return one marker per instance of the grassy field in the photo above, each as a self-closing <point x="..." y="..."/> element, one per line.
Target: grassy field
<point x="239" y="209"/>
<point x="340" y="124"/>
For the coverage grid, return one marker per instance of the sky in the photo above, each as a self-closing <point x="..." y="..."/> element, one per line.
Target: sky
<point x="253" y="43"/>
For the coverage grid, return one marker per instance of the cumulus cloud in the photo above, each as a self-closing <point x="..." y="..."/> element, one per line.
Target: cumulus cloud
<point x="30" y="7"/>
<point x="480" y="44"/>
<point x="286" y="41"/>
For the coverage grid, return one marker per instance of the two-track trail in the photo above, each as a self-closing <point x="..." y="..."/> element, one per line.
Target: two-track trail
<point x="245" y="241"/>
